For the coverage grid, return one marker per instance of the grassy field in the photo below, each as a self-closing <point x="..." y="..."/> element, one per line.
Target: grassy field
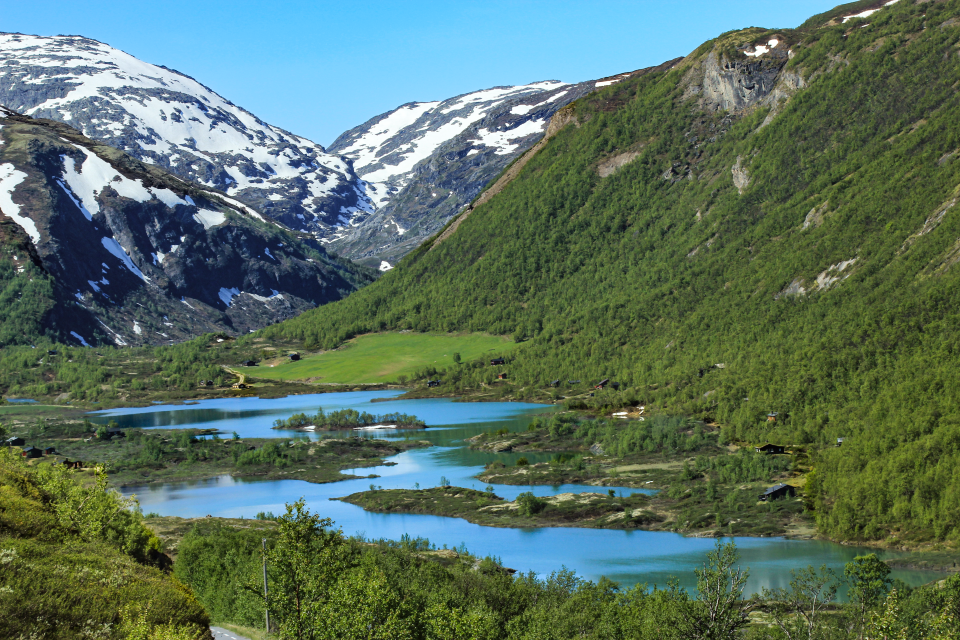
<point x="384" y="357"/>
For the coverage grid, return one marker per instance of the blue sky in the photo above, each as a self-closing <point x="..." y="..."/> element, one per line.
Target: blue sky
<point x="319" y="68"/>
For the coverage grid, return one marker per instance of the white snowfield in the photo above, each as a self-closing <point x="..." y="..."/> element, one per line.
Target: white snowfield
<point x="760" y="49"/>
<point x="114" y="97"/>
<point x="868" y="12"/>
<point x="10" y="177"/>
<point x="395" y="142"/>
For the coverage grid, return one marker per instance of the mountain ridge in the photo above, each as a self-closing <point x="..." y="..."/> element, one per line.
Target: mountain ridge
<point x="133" y="255"/>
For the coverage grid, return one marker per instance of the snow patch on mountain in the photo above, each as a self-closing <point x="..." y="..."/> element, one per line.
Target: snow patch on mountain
<point x="83" y="343"/>
<point x="227" y="295"/>
<point x="502" y="140"/>
<point x="386" y="149"/>
<point x="114" y="247"/>
<point x="10" y="177"/>
<point x="868" y="12"/>
<point x="209" y="218"/>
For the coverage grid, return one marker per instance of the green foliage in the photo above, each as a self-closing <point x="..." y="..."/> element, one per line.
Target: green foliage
<point x="529" y="504"/>
<point x="347" y="419"/>
<point x="869" y="583"/>
<point x="77" y="562"/>
<point x="719" y="611"/>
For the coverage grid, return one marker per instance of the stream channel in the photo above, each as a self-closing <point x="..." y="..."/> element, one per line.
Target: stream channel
<point x="627" y="557"/>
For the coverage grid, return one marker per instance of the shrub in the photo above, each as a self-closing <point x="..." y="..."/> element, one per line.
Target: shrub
<point x="529" y="504"/>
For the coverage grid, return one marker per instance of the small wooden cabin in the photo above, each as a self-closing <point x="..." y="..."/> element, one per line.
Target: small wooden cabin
<point x="294" y="357"/>
<point x="14" y="442"/>
<point x="555" y="384"/>
<point x="433" y="383"/>
<point x="50" y="451"/>
<point x="772" y="416"/>
<point x="839" y="442"/>
<point x="603" y="383"/>
<point x="778" y="491"/>
<point x="501" y="376"/>
<point x="498" y="361"/>
<point x="248" y="363"/>
<point x="770" y="448"/>
<point x="31" y="452"/>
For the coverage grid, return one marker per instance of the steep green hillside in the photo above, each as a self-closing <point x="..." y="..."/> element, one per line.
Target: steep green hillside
<point x="788" y="214"/>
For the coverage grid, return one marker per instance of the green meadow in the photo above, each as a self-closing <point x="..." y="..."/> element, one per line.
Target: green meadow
<point x="384" y="357"/>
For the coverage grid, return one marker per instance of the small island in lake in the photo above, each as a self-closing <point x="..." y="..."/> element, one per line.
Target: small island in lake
<point x="349" y="419"/>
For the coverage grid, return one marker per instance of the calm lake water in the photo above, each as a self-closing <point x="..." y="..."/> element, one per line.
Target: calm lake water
<point x="628" y="557"/>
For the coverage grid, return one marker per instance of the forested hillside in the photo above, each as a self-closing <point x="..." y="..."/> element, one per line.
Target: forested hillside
<point x="781" y="203"/>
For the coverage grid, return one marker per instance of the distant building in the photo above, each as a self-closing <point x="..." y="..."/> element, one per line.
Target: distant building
<point x="501" y="376"/>
<point x="839" y="442"/>
<point x="498" y="361"/>
<point x="239" y="385"/>
<point x="555" y="383"/>
<point x="14" y="442"/>
<point x="603" y="383"/>
<point x="294" y="357"/>
<point x="778" y="491"/>
<point x="772" y="416"/>
<point x="31" y="452"/>
<point x="433" y="383"/>
<point x="49" y="451"/>
<point x="770" y="448"/>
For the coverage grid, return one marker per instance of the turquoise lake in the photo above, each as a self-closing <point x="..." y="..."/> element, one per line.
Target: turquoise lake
<point x="628" y="557"/>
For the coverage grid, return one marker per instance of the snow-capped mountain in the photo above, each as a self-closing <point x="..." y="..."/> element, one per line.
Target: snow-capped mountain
<point x="377" y="193"/>
<point x="163" y="117"/>
<point x="424" y="161"/>
<point x="106" y="248"/>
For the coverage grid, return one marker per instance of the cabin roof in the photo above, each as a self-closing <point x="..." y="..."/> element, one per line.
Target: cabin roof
<point x="777" y="487"/>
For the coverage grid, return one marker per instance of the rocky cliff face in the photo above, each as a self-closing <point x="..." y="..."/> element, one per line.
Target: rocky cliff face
<point x="138" y="256"/>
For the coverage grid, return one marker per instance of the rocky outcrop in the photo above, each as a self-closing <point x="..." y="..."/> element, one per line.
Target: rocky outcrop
<point x="609" y="166"/>
<point x="724" y="85"/>
<point x="741" y="178"/>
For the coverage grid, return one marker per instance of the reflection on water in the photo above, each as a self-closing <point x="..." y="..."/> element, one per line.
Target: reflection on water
<point x="627" y="557"/>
